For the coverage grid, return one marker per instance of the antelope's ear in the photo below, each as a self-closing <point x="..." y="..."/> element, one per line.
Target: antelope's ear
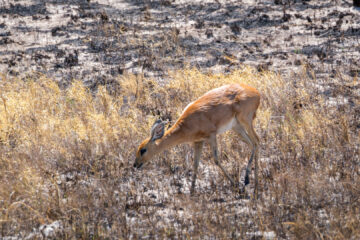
<point x="157" y="130"/>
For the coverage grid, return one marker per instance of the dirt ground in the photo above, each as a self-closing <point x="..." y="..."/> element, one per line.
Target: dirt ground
<point x="99" y="41"/>
<point x="96" y="41"/>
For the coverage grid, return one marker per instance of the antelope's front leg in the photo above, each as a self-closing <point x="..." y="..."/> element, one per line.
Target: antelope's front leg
<point x="198" y="149"/>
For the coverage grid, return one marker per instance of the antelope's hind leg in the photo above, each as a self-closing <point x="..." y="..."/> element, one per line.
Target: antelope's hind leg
<point x="244" y="177"/>
<point x="247" y="135"/>
<point x="213" y="145"/>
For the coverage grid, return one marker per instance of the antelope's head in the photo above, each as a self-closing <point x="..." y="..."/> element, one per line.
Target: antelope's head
<point x="148" y="148"/>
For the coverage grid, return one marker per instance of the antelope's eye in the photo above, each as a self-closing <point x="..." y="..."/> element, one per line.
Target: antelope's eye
<point x="142" y="151"/>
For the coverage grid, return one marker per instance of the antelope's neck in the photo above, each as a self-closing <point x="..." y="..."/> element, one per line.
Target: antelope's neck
<point x="172" y="137"/>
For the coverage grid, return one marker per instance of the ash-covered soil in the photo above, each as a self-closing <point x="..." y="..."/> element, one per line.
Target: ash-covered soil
<point x="96" y="41"/>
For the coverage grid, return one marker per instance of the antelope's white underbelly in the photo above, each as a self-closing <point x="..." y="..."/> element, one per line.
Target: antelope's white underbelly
<point x="229" y="125"/>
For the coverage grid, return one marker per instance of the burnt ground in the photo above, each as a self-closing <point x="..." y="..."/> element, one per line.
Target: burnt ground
<point x="96" y="41"/>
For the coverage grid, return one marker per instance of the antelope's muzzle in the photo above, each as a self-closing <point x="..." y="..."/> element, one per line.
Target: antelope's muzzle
<point x="138" y="165"/>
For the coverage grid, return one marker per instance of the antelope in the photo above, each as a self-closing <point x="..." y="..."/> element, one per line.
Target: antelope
<point x="217" y="111"/>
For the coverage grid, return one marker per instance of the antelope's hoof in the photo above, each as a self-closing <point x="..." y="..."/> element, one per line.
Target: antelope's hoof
<point x="242" y="192"/>
<point x="244" y="177"/>
<point x="241" y="187"/>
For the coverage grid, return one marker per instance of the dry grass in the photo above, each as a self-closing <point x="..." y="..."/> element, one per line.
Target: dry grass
<point x="66" y="155"/>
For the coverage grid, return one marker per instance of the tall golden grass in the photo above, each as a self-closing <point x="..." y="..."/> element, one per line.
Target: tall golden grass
<point x="66" y="154"/>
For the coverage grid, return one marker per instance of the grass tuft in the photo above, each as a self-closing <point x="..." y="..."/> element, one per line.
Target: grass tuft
<point x="66" y="155"/>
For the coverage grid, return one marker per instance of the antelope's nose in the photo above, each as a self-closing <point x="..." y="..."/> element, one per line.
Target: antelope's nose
<point x="137" y="165"/>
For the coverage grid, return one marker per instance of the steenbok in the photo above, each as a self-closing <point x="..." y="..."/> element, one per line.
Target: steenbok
<point x="228" y="107"/>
